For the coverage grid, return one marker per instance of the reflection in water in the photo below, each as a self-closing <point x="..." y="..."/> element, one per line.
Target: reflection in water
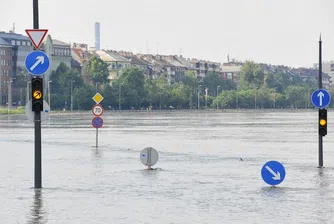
<point x="37" y="208"/>
<point x="322" y="178"/>
<point x="274" y="192"/>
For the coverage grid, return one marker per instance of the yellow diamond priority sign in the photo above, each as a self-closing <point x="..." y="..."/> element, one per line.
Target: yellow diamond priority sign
<point x="97" y="98"/>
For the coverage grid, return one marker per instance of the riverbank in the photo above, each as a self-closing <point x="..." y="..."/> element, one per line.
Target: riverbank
<point x="18" y="110"/>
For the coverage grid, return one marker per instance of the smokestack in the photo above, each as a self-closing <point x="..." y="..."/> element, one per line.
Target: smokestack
<point x="97" y="36"/>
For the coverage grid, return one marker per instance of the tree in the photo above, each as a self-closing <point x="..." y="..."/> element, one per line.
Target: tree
<point x="226" y="99"/>
<point x="98" y="70"/>
<point x="179" y="95"/>
<point x="110" y="95"/>
<point x="211" y="81"/>
<point x="164" y="91"/>
<point x="296" y="96"/>
<point x="61" y="85"/>
<point x="251" y="75"/>
<point x="82" y="98"/>
<point x="132" y="85"/>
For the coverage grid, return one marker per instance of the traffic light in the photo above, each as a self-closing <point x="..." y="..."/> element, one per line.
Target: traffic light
<point x="37" y="94"/>
<point x="322" y="122"/>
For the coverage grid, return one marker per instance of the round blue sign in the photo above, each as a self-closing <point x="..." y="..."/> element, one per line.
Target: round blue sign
<point x="273" y="173"/>
<point x="97" y="122"/>
<point x="321" y="98"/>
<point x="37" y="63"/>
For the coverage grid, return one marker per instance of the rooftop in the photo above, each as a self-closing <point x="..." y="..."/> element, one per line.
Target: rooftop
<point x="60" y="43"/>
<point x="3" y="42"/>
<point x="13" y="36"/>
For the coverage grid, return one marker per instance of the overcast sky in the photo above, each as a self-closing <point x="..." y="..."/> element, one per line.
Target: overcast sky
<point x="271" y="31"/>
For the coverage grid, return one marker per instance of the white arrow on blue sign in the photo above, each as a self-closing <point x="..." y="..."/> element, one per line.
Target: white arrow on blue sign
<point x="273" y="173"/>
<point x="321" y="98"/>
<point x="37" y="63"/>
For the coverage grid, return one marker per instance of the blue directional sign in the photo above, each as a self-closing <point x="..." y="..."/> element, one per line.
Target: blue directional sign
<point x="97" y="122"/>
<point x="37" y="63"/>
<point x="273" y="173"/>
<point x="321" y="98"/>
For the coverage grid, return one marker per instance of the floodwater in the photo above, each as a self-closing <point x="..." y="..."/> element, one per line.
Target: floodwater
<point x="201" y="177"/>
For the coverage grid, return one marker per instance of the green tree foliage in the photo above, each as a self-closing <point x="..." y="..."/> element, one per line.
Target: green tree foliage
<point x="131" y="84"/>
<point x="133" y="91"/>
<point x="297" y="96"/>
<point x="60" y="87"/>
<point x="98" y="70"/>
<point x="252" y="75"/>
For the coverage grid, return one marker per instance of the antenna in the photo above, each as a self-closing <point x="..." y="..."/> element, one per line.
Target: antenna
<point x="147" y="49"/>
<point x="13" y="27"/>
<point x="180" y="51"/>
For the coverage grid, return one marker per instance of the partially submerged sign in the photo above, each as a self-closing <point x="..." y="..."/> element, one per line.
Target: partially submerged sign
<point x="149" y="156"/>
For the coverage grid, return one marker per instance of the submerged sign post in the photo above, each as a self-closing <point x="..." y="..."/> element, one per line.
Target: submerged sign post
<point x="37" y="63"/>
<point x="97" y="111"/>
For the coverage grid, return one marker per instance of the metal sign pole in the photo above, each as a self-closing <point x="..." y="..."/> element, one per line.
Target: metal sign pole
<point x="97" y="137"/>
<point x="38" y="135"/>
<point x="321" y="162"/>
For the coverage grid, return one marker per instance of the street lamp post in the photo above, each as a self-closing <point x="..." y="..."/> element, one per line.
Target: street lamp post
<point x="96" y="86"/>
<point x="217" y="97"/>
<point x="198" y="106"/>
<point x="28" y="91"/>
<point x="255" y="96"/>
<point x="10" y="93"/>
<point x="119" y="96"/>
<point x="49" y="95"/>
<point x="0" y="87"/>
<point x="72" y="94"/>
<point x="237" y="98"/>
<point x="274" y="98"/>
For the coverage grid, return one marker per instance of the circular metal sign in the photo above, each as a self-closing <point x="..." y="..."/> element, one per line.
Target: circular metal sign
<point x="97" y="110"/>
<point x="149" y="156"/>
<point x="31" y="114"/>
<point x="97" y="122"/>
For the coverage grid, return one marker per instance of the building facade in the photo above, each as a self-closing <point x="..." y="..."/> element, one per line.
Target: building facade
<point x="327" y="67"/>
<point x="14" y="48"/>
<point x="116" y="63"/>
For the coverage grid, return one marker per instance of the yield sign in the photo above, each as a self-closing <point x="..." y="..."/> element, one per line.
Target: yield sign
<point x="36" y="36"/>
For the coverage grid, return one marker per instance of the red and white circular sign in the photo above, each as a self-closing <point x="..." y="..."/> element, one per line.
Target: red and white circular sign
<point x="97" y="110"/>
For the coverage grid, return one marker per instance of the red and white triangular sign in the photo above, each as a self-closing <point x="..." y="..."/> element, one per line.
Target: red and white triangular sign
<point x="36" y="36"/>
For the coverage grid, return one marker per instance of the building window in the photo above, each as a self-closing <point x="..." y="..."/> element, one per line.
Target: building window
<point x="13" y="42"/>
<point x="24" y="43"/>
<point x="18" y="42"/>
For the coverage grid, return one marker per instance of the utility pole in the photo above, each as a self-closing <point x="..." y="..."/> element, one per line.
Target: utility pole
<point x="198" y="106"/>
<point x="321" y="160"/>
<point x="72" y="95"/>
<point x="49" y="91"/>
<point x="119" y="96"/>
<point x="38" y="131"/>
<point x="217" y="97"/>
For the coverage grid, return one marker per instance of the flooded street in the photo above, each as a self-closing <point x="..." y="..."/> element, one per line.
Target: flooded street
<point x="210" y="169"/>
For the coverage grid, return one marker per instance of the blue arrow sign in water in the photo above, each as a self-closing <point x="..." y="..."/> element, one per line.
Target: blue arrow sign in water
<point x="273" y="173"/>
<point x="321" y="98"/>
<point x="37" y="63"/>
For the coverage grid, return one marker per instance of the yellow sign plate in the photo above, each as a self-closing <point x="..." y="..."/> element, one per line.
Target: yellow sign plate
<point x="37" y="94"/>
<point x="98" y="98"/>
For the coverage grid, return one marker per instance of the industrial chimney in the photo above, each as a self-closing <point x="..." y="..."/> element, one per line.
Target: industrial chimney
<point x="97" y="36"/>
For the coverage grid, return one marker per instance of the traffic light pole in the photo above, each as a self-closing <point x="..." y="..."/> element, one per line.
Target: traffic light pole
<point x="321" y="159"/>
<point x="38" y="134"/>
